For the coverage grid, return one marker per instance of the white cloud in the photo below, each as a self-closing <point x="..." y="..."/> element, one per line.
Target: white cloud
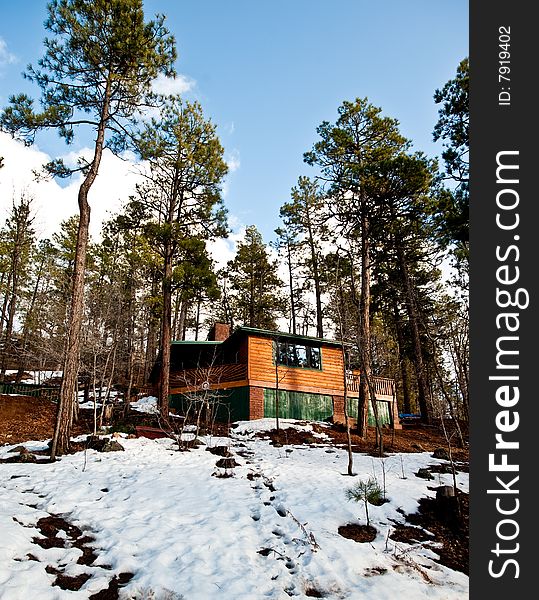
<point x="224" y="249"/>
<point x="232" y="159"/>
<point x="6" y="58"/>
<point x="54" y="203"/>
<point x="170" y="86"/>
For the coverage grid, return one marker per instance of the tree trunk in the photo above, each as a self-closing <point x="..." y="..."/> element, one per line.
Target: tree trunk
<point x="364" y="329"/>
<point x="166" y="334"/>
<point x="407" y="404"/>
<point x="130" y="346"/>
<point x="316" y="279"/>
<point x="197" y="320"/>
<point x="62" y="430"/>
<point x="411" y="307"/>
<point x="291" y="285"/>
<point x="252" y="309"/>
<point x="182" y="320"/>
<point x="151" y="340"/>
<point x="350" y="467"/>
<point x="4" y="285"/>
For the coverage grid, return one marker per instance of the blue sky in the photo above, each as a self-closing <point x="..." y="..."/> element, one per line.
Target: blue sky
<point x="269" y="72"/>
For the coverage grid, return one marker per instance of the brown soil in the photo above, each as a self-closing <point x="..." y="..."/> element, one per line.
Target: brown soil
<point x="49" y="527"/>
<point x="26" y="418"/>
<point x="415" y="437"/>
<point x="448" y="528"/>
<point x="112" y="591"/>
<point x="411" y="438"/>
<point x="358" y="533"/>
<point x="409" y="535"/>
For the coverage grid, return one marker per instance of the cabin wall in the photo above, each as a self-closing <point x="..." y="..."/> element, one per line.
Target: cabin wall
<point x="261" y="371"/>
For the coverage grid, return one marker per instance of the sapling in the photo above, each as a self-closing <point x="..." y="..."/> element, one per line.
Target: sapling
<point x="402" y="468"/>
<point x="365" y="491"/>
<point x="383" y="462"/>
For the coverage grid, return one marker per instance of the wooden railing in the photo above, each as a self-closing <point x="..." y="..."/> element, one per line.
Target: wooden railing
<point x="216" y="374"/>
<point x="211" y="375"/>
<point x="383" y="386"/>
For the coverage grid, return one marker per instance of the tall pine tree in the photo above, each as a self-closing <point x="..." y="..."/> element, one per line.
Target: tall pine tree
<point x="255" y="287"/>
<point x="95" y="73"/>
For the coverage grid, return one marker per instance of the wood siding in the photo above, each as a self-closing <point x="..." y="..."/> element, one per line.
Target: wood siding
<point x="328" y="380"/>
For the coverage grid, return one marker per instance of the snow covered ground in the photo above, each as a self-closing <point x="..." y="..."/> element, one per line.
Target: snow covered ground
<point x="38" y="377"/>
<point x="183" y="532"/>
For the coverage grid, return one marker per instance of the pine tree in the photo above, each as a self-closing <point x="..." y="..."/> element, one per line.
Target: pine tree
<point x="404" y="193"/>
<point x="32" y="316"/>
<point x="348" y="155"/>
<point x="304" y="218"/>
<point x="96" y="72"/>
<point x="18" y="242"/>
<point x="452" y="127"/>
<point x="287" y="245"/>
<point x="181" y="199"/>
<point x="255" y="286"/>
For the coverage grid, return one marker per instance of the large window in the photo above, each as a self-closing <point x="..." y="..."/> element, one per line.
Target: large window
<point x="298" y="355"/>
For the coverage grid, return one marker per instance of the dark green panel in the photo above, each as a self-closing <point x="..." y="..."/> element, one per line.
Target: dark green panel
<point x="384" y="414"/>
<point x="29" y="389"/>
<point x="231" y="405"/>
<point x="298" y="405"/>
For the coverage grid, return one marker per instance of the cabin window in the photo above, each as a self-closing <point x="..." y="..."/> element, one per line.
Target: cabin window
<point x="298" y="355"/>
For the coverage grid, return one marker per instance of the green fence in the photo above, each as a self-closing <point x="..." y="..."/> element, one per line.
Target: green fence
<point x="30" y="389"/>
<point x="298" y="405"/>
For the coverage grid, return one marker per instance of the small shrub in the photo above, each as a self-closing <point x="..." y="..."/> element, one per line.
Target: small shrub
<point x="367" y="492"/>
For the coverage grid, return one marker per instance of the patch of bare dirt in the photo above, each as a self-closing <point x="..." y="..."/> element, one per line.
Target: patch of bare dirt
<point x="112" y="591"/>
<point x="448" y="527"/>
<point x="358" y="533"/>
<point x="415" y="437"/>
<point x="25" y="418"/>
<point x="289" y="437"/>
<point x="408" y="534"/>
<point x="72" y="536"/>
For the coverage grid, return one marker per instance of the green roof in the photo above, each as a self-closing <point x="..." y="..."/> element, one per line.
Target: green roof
<point x="294" y="336"/>
<point x="263" y="332"/>
<point x="187" y="342"/>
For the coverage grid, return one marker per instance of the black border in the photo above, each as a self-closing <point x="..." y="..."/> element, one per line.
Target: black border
<point x="495" y="128"/>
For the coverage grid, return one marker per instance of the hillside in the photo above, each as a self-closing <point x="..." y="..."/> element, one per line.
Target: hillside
<point x="150" y="521"/>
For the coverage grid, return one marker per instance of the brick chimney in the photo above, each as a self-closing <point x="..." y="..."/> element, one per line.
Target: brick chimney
<point x="219" y="332"/>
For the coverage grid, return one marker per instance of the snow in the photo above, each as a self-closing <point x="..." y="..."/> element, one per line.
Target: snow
<point x="148" y="404"/>
<point x="37" y="377"/>
<point x="186" y="533"/>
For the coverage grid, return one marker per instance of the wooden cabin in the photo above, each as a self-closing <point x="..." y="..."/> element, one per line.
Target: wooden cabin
<point x="241" y="372"/>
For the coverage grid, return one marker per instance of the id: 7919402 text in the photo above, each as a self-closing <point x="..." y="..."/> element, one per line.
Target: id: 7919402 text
<point x="504" y="65"/>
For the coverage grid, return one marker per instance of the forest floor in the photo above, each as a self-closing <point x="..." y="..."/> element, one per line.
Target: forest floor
<point x="430" y="526"/>
<point x="24" y="418"/>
